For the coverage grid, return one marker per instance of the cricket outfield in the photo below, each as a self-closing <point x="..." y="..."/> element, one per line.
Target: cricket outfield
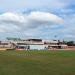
<point x="37" y="62"/>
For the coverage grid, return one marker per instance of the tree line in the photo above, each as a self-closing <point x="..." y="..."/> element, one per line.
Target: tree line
<point x="69" y="43"/>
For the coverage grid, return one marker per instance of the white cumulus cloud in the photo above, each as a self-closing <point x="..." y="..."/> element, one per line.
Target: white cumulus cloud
<point x="12" y="22"/>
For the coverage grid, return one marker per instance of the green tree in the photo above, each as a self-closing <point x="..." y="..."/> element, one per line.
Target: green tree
<point x="71" y="43"/>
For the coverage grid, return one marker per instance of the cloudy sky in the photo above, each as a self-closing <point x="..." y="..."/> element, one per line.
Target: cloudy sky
<point x="43" y="19"/>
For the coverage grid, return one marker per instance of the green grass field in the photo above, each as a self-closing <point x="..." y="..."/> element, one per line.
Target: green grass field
<point x="37" y="62"/>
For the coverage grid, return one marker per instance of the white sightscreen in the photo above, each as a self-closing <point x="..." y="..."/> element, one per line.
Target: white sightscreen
<point x="37" y="47"/>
